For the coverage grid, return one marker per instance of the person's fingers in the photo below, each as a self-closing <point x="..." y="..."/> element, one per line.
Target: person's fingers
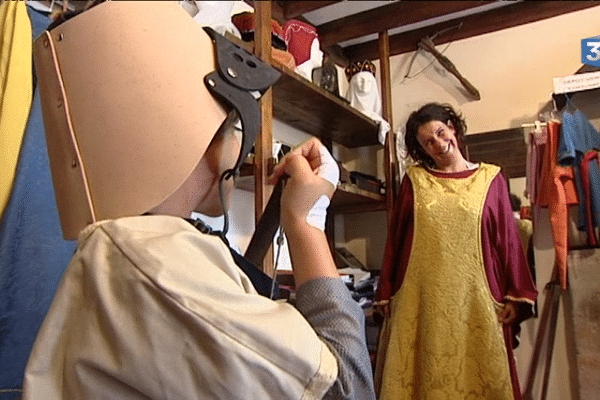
<point x="305" y="150"/>
<point x="508" y="314"/>
<point x="383" y="310"/>
<point x="318" y="157"/>
<point x="328" y="168"/>
<point x="297" y="166"/>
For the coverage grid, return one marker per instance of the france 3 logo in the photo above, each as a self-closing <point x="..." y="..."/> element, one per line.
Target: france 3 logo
<point x="590" y="51"/>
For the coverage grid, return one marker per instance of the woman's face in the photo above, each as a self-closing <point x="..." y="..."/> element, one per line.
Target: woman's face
<point x="438" y="139"/>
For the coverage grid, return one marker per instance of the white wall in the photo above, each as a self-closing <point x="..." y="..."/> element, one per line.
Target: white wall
<point x="512" y="69"/>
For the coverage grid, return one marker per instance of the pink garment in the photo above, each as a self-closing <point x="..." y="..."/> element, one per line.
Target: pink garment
<point x="535" y="155"/>
<point x="299" y="37"/>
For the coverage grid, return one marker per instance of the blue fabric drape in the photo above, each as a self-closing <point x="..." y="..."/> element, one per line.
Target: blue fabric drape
<point x="578" y="136"/>
<point x="33" y="253"/>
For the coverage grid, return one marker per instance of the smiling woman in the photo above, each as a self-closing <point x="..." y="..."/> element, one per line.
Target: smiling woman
<point x="434" y="136"/>
<point x="455" y="279"/>
<point x="439" y="141"/>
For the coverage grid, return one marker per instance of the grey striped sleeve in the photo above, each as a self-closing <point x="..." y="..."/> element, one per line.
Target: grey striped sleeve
<point x="338" y="319"/>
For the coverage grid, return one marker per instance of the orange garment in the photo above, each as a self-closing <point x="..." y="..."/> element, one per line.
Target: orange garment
<point x="557" y="192"/>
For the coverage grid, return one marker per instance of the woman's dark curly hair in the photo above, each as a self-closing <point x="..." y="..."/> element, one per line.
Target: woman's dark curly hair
<point x="431" y="112"/>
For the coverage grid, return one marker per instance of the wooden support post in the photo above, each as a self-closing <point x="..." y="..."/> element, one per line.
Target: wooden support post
<point x="330" y="221"/>
<point x="263" y="159"/>
<point x="548" y="321"/>
<point x="390" y="160"/>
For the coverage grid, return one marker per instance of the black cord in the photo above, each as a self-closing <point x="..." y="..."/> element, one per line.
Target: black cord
<point x="230" y="173"/>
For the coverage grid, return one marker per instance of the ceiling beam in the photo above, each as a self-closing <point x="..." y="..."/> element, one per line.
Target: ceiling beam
<point x="380" y="19"/>
<point x="472" y="25"/>
<point x="276" y="11"/>
<point x="293" y="9"/>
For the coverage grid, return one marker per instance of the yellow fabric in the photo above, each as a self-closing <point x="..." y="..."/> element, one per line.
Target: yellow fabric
<point x="445" y="341"/>
<point x="15" y="88"/>
<point x="525" y="231"/>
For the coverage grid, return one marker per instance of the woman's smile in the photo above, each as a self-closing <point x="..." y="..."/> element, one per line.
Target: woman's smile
<point x="438" y="139"/>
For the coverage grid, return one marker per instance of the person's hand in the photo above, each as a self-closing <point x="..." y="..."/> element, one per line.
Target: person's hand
<point x="312" y="176"/>
<point x="508" y="315"/>
<point x="383" y="310"/>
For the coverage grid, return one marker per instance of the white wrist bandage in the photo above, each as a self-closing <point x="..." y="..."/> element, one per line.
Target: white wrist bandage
<point x="329" y="171"/>
<point x="318" y="213"/>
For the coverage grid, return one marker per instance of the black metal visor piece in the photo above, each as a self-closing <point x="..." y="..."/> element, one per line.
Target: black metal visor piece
<point x="238" y="75"/>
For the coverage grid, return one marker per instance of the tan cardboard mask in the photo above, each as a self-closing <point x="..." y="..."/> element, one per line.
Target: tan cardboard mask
<point x="126" y="110"/>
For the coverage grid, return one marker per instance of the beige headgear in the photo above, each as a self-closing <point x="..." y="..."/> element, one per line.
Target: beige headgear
<point x="127" y="109"/>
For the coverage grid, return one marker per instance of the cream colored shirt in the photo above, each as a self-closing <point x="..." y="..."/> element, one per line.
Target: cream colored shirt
<point x="150" y="308"/>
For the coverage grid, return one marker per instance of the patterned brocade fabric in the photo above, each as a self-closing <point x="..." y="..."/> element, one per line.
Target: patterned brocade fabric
<point x="445" y="341"/>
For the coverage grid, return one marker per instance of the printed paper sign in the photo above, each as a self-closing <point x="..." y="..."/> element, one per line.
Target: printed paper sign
<point x="577" y="83"/>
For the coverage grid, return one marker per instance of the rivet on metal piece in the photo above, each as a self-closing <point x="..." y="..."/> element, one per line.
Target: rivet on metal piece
<point x="232" y="73"/>
<point x="59" y="104"/>
<point x="212" y="83"/>
<point x="74" y="164"/>
<point x="46" y="42"/>
<point x="60" y="37"/>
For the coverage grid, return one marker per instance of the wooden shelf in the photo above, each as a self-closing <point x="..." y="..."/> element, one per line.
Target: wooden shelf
<point x="309" y="108"/>
<point x="347" y="198"/>
<point x="305" y="106"/>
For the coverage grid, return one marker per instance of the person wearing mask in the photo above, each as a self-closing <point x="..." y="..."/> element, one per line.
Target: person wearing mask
<point x="153" y="304"/>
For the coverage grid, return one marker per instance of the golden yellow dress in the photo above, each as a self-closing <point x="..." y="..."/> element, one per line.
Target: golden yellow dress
<point x="444" y="339"/>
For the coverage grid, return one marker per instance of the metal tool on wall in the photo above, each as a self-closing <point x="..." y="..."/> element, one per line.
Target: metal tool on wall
<point x="426" y="44"/>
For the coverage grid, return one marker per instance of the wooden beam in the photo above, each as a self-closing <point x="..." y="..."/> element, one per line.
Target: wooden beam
<point x="336" y="53"/>
<point x="473" y="25"/>
<point x="264" y="143"/>
<point x="293" y="9"/>
<point x="390" y="140"/>
<point x="386" y="88"/>
<point x="397" y="14"/>
<point x="505" y="148"/>
<point x="276" y="10"/>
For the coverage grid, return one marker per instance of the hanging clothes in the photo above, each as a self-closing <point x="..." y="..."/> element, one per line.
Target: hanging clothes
<point x="557" y="193"/>
<point x="536" y="143"/>
<point x="591" y="189"/>
<point x="578" y="136"/>
<point x="33" y="254"/>
<point x="15" y="88"/>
